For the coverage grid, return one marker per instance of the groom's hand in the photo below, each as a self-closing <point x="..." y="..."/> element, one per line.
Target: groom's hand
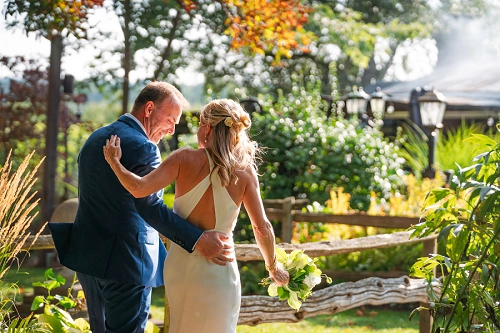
<point x="216" y="247"/>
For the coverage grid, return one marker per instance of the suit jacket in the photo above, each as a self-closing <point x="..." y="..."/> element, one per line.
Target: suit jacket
<point x="115" y="236"/>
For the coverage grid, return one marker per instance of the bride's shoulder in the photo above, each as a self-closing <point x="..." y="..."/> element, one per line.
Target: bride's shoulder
<point x="182" y="152"/>
<point x="189" y="154"/>
<point x="247" y="175"/>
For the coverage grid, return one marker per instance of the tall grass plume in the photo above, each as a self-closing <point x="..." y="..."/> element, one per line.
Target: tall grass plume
<point x="17" y="203"/>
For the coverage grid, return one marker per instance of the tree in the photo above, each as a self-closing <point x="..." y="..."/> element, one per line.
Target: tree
<point x="359" y="38"/>
<point x="173" y="34"/>
<point x="362" y="39"/>
<point x="23" y="111"/>
<point x="23" y="118"/>
<point x="52" y="19"/>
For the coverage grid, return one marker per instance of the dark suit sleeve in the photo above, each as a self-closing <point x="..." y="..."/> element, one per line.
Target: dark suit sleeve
<point x="156" y="213"/>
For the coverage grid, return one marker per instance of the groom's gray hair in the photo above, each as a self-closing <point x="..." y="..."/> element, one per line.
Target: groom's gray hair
<point x="157" y="92"/>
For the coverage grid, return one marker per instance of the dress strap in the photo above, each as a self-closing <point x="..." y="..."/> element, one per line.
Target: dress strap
<point x="209" y="160"/>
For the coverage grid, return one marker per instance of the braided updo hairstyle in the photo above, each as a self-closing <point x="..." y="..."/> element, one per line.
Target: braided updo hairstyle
<point x="231" y="148"/>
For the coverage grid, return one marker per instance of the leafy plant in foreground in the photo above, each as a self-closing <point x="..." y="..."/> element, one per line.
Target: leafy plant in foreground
<point x="55" y="307"/>
<point x="467" y="221"/>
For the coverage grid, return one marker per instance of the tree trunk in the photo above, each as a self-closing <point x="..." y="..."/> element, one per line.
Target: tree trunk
<point x="127" y="60"/>
<point x="54" y="95"/>
<point x="166" y="52"/>
<point x="325" y="77"/>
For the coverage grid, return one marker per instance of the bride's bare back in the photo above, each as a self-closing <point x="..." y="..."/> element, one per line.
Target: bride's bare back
<point x="193" y="168"/>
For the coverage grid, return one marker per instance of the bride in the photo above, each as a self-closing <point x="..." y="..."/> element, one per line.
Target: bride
<point x="211" y="182"/>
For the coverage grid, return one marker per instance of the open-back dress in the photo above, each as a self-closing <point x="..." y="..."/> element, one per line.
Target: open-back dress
<point x="203" y="297"/>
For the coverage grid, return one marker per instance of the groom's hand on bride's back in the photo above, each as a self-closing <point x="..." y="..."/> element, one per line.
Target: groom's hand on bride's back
<point x="216" y="247"/>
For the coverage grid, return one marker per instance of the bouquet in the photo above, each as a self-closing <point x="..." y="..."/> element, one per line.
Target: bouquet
<point x="304" y="275"/>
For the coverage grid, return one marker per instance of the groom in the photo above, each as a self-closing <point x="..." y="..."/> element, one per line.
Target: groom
<point x="112" y="244"/>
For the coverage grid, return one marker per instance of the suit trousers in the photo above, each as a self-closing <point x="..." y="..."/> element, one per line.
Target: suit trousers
<point x="115" y="307"/>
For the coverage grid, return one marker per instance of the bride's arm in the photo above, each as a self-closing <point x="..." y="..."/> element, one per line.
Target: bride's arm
<point x="138" y="186"/>
<point x="263" y="230"/>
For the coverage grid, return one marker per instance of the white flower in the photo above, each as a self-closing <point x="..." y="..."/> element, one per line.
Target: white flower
<point x="312" y="280"/>
<point x="297" y="259"/>
<point x="272" y="290"/>
<point x="228" y="122"/>
<point x="293" y="301"/>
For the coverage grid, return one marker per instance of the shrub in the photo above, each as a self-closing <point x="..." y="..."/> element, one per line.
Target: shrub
<point x="467" y="221"/>
<point x="308" y="154"/>
<point x="452" y="148"/>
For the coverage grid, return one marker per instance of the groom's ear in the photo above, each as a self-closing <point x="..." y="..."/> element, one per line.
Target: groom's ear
<point x="149" y="107"/>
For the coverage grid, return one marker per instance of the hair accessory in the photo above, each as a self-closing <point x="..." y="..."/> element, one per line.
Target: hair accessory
<point x="228" y="122"/>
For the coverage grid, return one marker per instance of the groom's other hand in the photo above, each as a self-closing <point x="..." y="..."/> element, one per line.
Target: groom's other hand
<point x="216" y="247"/>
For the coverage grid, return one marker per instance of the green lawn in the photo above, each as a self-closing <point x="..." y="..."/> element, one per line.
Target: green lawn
<point x="385" y="321"/>
<point x="376" y="320"/>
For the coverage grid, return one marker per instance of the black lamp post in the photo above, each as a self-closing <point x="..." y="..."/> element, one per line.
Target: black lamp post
<point x="356" y="102"/>
<point x="377" y="103"/>
<point x="432" y="105"/>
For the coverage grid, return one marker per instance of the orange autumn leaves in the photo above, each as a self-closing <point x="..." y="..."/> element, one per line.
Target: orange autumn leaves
<point x="265" y="26"/>
<point x="71" y="14"/>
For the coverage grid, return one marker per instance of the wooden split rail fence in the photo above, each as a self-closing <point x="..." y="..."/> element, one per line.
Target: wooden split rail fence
<point x="340" y="297"/>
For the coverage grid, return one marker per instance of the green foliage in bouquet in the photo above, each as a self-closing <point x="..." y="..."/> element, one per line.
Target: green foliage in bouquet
<point x="304" y="276"/>
<point x="464" y="296"/>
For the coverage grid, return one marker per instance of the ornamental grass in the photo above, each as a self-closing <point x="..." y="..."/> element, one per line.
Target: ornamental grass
<point x="17" y="204"/>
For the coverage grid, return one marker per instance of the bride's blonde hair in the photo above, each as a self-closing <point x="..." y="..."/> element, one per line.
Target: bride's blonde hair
<point x="231" y="148"/>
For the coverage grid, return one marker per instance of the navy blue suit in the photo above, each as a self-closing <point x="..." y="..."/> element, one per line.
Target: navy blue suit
<point x="115" y="236"/>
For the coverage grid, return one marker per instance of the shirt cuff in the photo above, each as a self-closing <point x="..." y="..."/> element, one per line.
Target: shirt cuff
<point x="194" y="246"/>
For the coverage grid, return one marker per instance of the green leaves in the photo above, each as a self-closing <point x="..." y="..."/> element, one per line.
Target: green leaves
<point x="307" y="154"/>
<point x="468" y="222"/>
<point x="38" y="302"/>
<point x="51" y="281"/>
<point x="49" y="17"/>
<point x="55" y="315"/>
<point x="436" y="195"/>
<point x="480" y="139"/>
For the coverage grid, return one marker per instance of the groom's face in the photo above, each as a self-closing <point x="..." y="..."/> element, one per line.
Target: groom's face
<point x="163" y="119"/>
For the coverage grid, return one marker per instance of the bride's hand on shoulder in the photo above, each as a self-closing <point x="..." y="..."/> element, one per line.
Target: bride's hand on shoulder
<point x="279" y="276"/>
<point x="112" y="150"/>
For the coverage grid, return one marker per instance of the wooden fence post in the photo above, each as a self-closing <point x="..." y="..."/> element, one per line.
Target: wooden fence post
<point x="287" y="220"/>
<point x="166" y="318"/>
<point x="430" y="246"/>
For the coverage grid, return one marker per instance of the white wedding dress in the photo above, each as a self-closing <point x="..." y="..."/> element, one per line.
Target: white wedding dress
<point x="203" y="297"/>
